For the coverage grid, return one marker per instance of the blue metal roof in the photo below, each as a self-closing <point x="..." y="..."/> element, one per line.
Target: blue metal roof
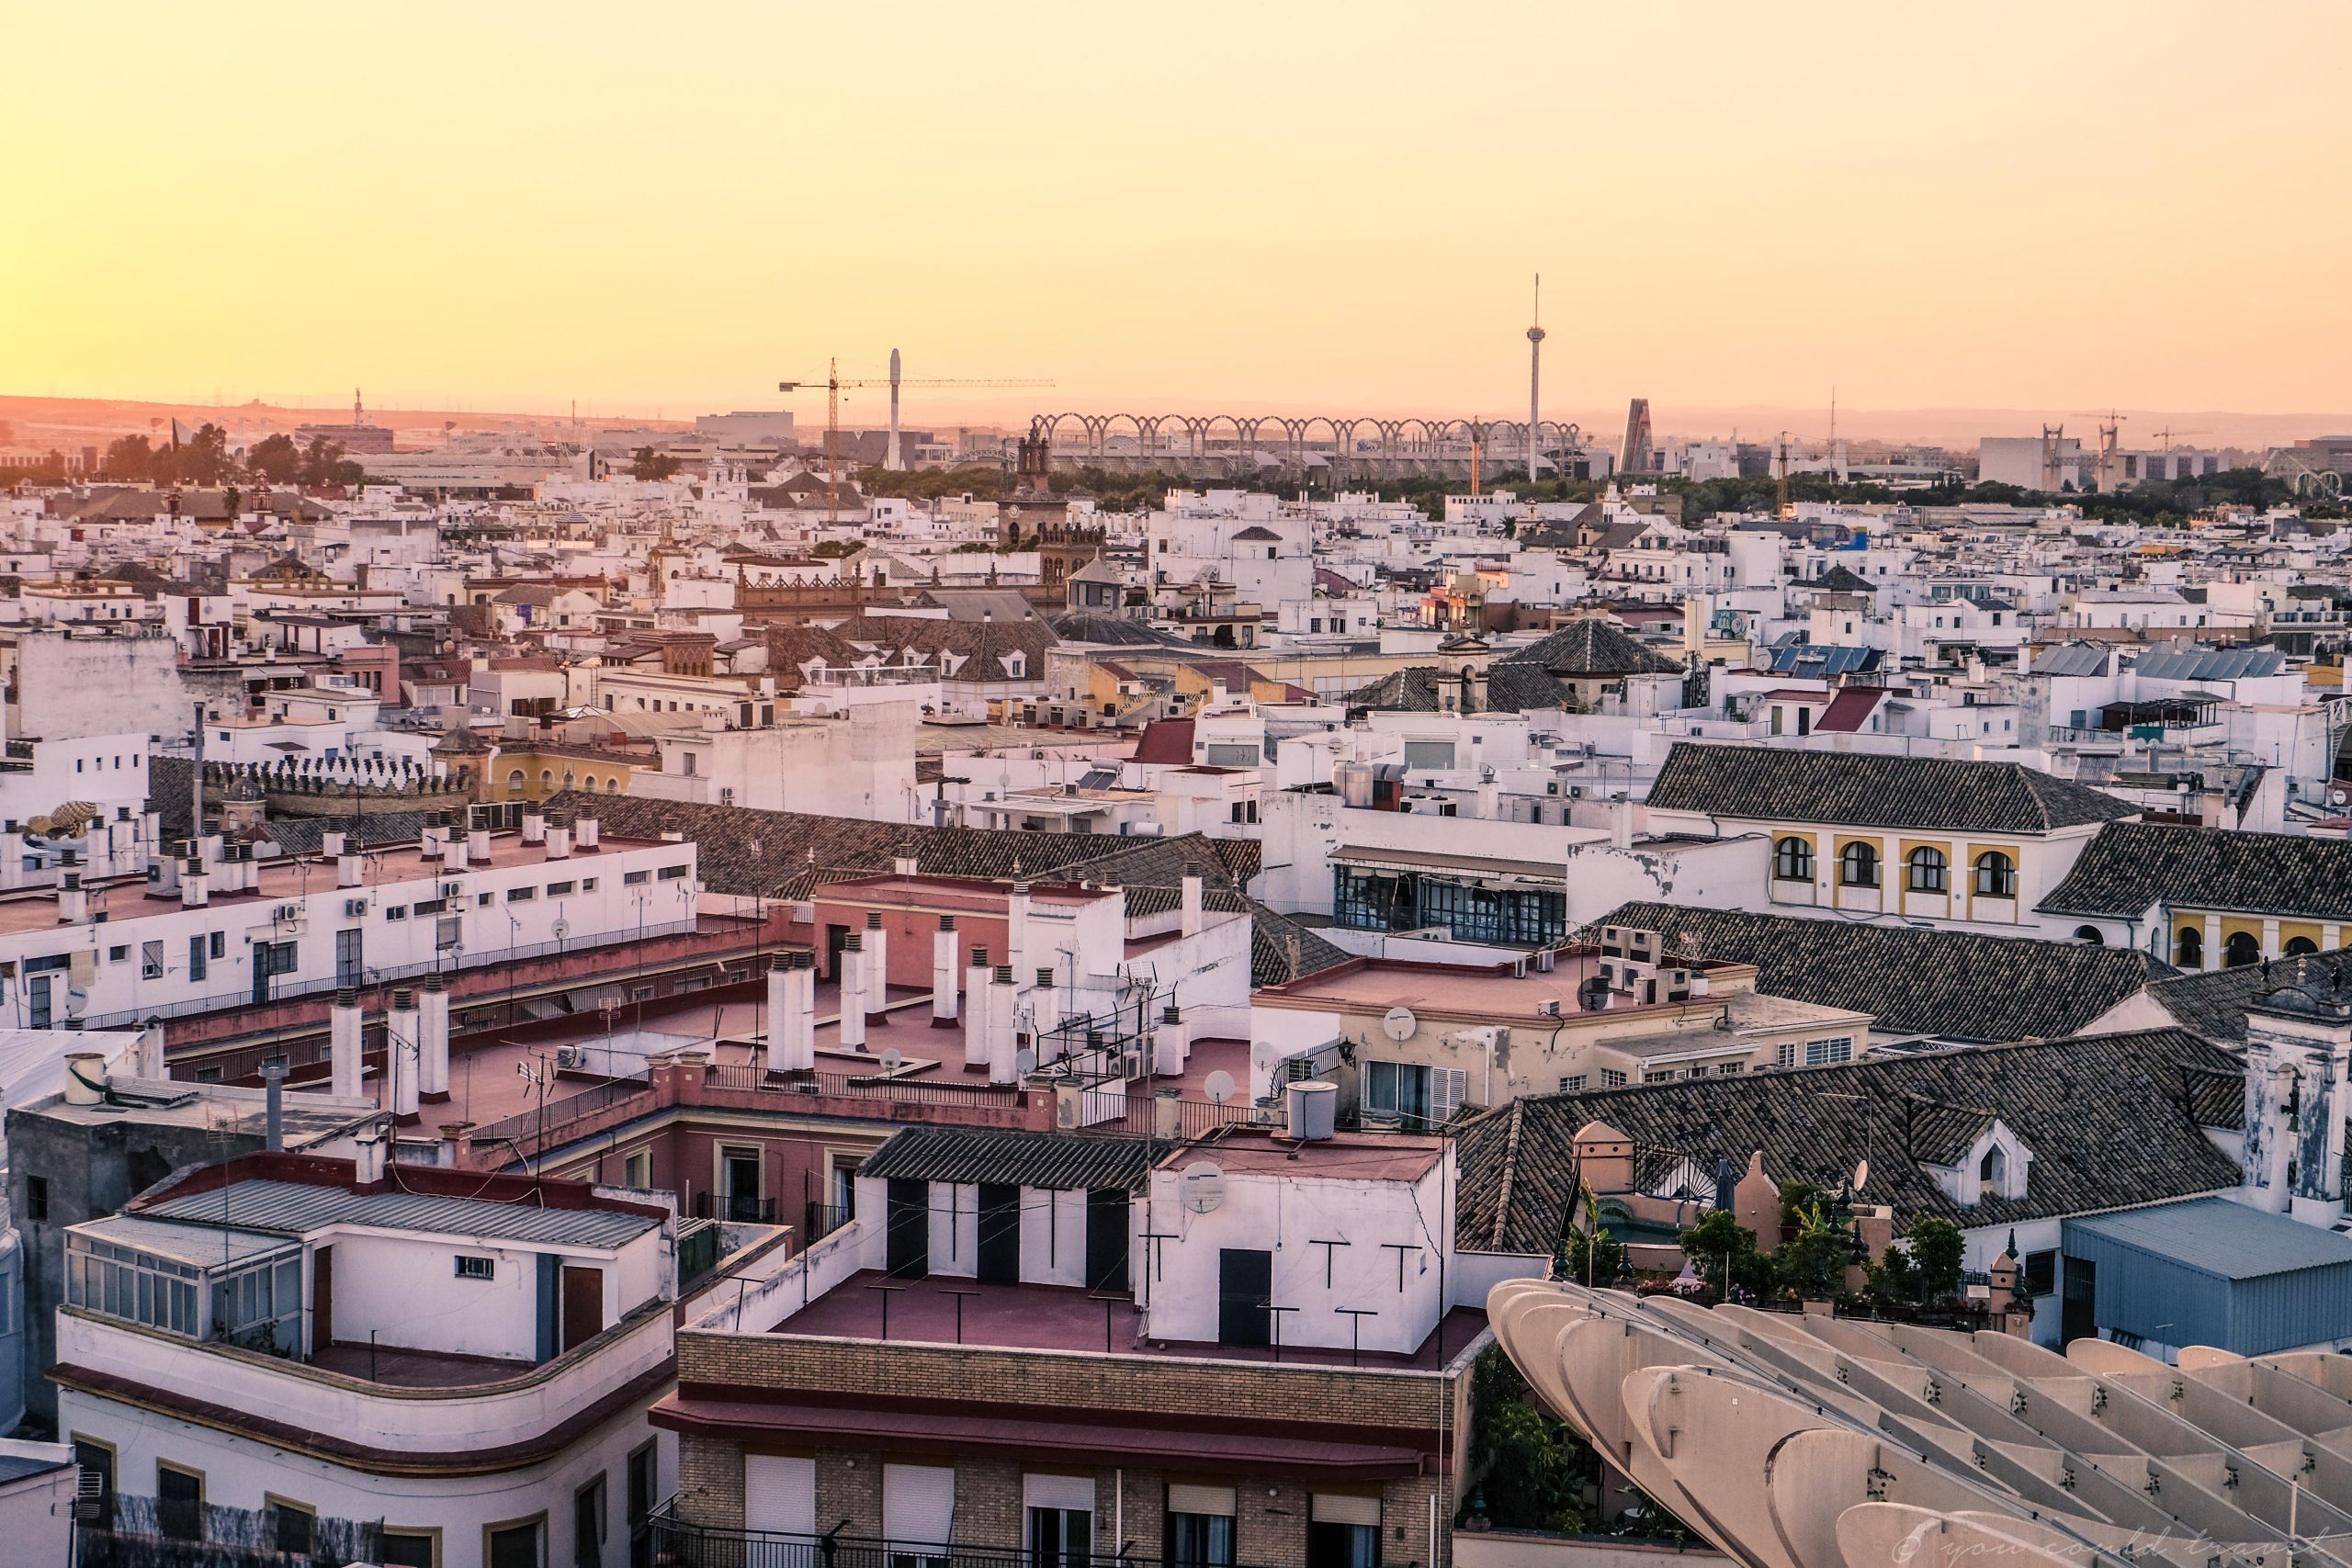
<point x="2210" y="1271"/>
<point x="2179" y="662"/>
<point x="2217" y="1237"/>
<point x="1815" y="659"/>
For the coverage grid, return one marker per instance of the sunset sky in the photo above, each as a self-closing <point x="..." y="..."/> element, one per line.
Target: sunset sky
<point x="1257" y="206"/>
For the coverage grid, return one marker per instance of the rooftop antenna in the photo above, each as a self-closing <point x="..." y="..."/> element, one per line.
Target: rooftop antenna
<point x="1534" y="380"/>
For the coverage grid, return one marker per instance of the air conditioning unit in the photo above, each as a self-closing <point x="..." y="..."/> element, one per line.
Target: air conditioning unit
<point x="1552" y="788"/>
<point x="569" y="1058"/>
<point x="453" y="890"/>
<point x="287" y="914"/>
<point x="354" y="907"/>
<point x="1549" y="1008"/>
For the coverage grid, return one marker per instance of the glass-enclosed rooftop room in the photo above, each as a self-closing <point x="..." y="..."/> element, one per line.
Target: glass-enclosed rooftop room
<point x="200" y="1282"/>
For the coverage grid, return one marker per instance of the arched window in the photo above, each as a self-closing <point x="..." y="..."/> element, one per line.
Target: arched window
<point x="1792" y="860"/>
<point x="2089" y="934"/>
<point x="1858" y="865"/>
<point x="2242" y="949"/>
<point x="2298" y="946"/>
<point x="612" y="785"/>
<point x="567" y="778"/>
<point x="515" y="782"/>
<point x="547" y="778"/>
<point x="2188" y="948"/>
<point x="1997" y="875"/>
<point x="1929" y="869"/>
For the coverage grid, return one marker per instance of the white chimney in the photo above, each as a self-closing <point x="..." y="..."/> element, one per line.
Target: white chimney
<point x="1192" y="923"/>
<point x="535" y="825"/>
<point x="976" y="1010"/>
<point x="209" y="847"/>
<point x="877" y="967"/>
<point x="369" y="1150"/>
<point x="850" y="976"/>
<point x="349" y="869"/>
<point x="434" y="837"/>
<point x="401" y="1051"/>
<point x="1045" y="1011"/>
<point x="478" y="845"/>
<point x="151" y="1052"/>
<point x="345" y="1044"/>
<point x="1003" y="1041"/>
<point x="72" y="902"/>
<point x="583" y="832"/>
<point x="944" y="972"/>
<point x="1167" y="1044"/>
<point x="456" y="852"/>
<point x="195" y="886"/>
<point x="432" y="1039"/>
<point x="803" y="1011"/>
<point x="331" y="844"/>
<point x="1016" y="926"/>
<point x="559" y="838"/>
<point x="779" y="1034"/>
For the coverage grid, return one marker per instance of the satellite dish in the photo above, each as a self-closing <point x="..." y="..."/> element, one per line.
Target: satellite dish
<point x="562" y="927"/>
<point x="1025" y="1062"/>
<point x="1218" y="1086"/>
<point x="77" y="1001"/>
<point x="1200" y="1186"/>
<point x="1399" y="1023"/>
<point x="2335" y="797"/>
<point x="890" y="1058"/>
<point x="1862" y="1174"/>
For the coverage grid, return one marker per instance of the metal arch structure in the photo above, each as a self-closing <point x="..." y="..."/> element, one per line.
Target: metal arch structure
<point x="1408" y="444"/>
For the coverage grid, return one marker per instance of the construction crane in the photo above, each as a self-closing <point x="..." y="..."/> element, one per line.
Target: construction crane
<point x="2166" y="434"/>
<point x="834" y="383"/>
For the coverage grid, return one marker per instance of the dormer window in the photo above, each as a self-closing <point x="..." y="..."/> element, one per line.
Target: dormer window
<point x="1994" y="1168"/>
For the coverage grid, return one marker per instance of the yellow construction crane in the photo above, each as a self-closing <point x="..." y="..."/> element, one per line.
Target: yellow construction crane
<point x="834" y="383"/>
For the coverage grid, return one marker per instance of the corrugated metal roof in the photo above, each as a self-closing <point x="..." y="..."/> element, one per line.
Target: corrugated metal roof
<point x="290" y="1208"/>
<point x="1820" y="659"/>
<point x="2176" y="661"/>
<point x="2215" y="1236"/>
<point x="1055" y="1161"/>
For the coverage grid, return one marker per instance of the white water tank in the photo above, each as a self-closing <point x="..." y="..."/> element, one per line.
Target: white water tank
<point x="1314" y="1107"/>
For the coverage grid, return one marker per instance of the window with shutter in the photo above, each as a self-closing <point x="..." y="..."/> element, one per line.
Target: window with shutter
<point x="780" y="1494"/>
<point x="918" y="1513"/>
<point x="1447" y="1087"/>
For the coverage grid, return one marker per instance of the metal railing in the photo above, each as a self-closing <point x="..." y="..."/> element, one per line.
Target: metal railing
<point x="533" y="1129"/>
<point x="285" y="988"/>
<point x="822" y="1219"/>
<point x="864" y="1086"/>
<point x="736" y="1208"/>
<point x="702" y="1546"/>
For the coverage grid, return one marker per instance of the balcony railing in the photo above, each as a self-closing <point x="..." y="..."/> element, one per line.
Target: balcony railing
<point x="736" y="1208"/>
<point x="687" y="1545"/>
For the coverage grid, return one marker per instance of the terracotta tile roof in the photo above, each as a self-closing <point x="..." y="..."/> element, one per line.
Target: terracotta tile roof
<point x="1851" y="789"/>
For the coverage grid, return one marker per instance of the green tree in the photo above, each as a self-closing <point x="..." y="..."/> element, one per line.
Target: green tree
<point x="325" y="464"/>
<point x="276" y="459"/>
<point x="1598" y="1259"/>
<point x="652" y="464"/>
<point x="1723" y="1252"/>
<point x="1535" y="1468"/>
<point x="130" y="458"/>
<point x="1937" y="1251"/>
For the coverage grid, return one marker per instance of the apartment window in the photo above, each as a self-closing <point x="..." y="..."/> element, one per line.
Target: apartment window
<point x="1929" y="869"/>
<point x="1429" y="756"/>
<point x="1821" y="1052"/>
<point x="1792" y="860"/>
<point x="471" y="1268"/>
<point x="588" y="1524"/>
<point x="558" y="889"/>
<point x="196" y="959"/>
<point x="522" y="1544"/>
<point x="1858" y="865"/>
<point x="1414" y="1094"/>
<point x="1611" y="1078"/>
<point x="483" y="900"/>
<point x="219" y="943"/>
<point x="635" y="878"/>
<point x="1343" y="1531"/>
<point x="1060" y="1515"/>
<point x="1997" y="875"/>
<point x="96" y="1460"/>
<point x="150" y="960"/>
<point x="2040" y="1271"/>
<point x="293" y="1526"/>
<point x="1727" y="1069"/>
<point x="636" y="1168"/>
<point x="644" y="1484"/>
<point x="37" y="1197"/>
<point x="672" y="873"/>
<point x="1572" y="1084"/>
<point x="396" y="911"/>
<point x="119" y="954"/>
<point x="1199" y="1531"/>
<point x="587" y="884"/>
<point x="1785" y="1054"/>
<point x="179" y="1503"/>
<point x="424" y="906"/>
<point x="521" y="895"/>
<point x="917" y="1510"/>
